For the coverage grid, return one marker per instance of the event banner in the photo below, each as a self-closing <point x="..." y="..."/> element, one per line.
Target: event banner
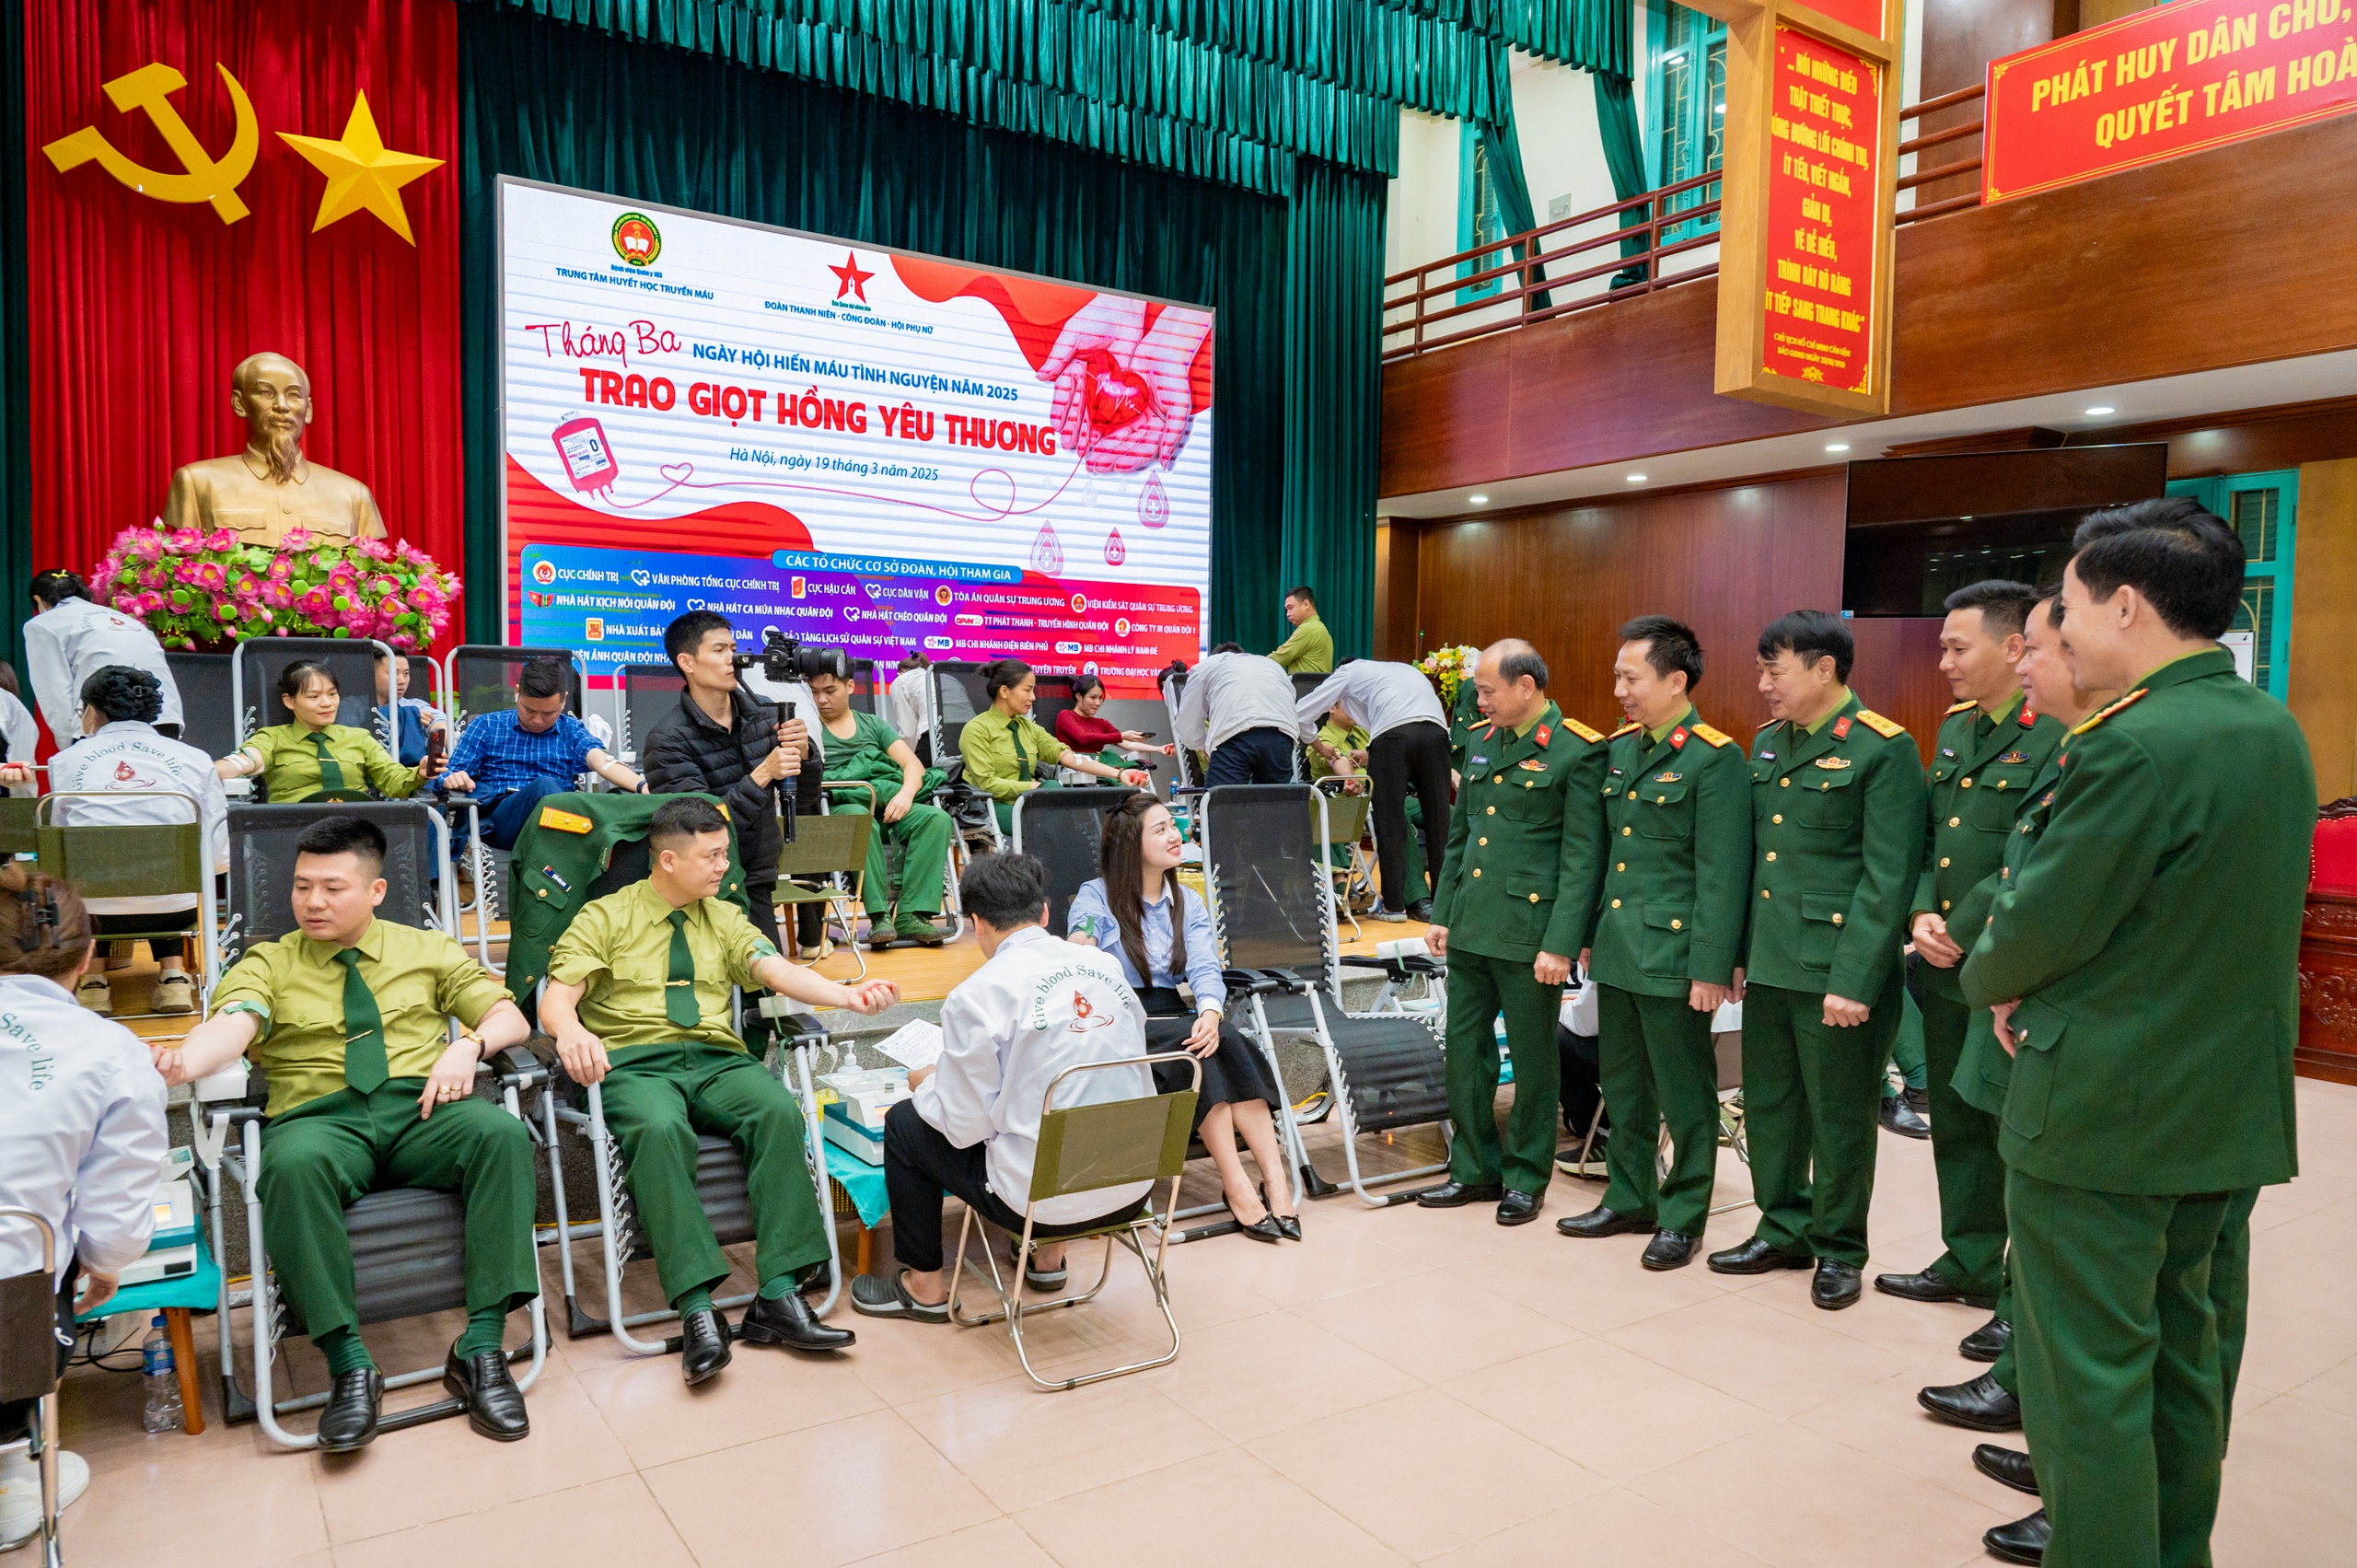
<point x="859" y="448"/>
<point x="2161" y="83"/>
<point x="1823" y="242"/>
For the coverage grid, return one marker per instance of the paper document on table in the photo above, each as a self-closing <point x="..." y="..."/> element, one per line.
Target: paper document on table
<point x="913" y="1045"/>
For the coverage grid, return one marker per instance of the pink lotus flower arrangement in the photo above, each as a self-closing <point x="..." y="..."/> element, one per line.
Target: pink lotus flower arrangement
<point x="196" y="590"/>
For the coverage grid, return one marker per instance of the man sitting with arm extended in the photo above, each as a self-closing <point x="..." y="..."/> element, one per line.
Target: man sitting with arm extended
<point x="511" y="760"/>
<point x="366" y="1091"/>
<point x="637" y="999"/>
<point x="1036" y="1007"/>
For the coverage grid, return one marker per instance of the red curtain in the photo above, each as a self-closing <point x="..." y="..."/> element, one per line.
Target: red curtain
<point x="139" y="307"/>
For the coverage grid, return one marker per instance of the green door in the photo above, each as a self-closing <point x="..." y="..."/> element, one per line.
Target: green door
<point x="2263" y="508"/>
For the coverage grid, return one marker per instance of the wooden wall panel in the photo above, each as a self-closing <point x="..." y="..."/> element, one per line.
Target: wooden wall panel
<point x="2322" y="677"/>
<point x="1897" y="673"/>
<point x="1395" y="590"/>
<point x="1960" y="36"/>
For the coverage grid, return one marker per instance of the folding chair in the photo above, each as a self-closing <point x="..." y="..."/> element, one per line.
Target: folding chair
<point x="262" y="866"/>
<point x="863" y="689"/>
<point x="1346" y="822"/>
<point x="29" y="1347"/>
<point x="826" y="863"/>
<point x="136" y="861"/>
<point x="1064" y="829"/>
<point x="1086" y="1148"/>
<point x="255" y="666"/>
<point x="1274" y="901"/>
<point x="1174" y="691"/>
<point x="479" y="677"/>
<point x="1726" y="1041"/>
<point x="18" y="813"/>
<point x="208" y="702"/>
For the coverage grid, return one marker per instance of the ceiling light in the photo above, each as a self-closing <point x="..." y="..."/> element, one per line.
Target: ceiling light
<point x="1478" y="500"/>
<point x="2099" y="410"/>
<point x="1837" y="446"/>
<point x="1636" y="479"/>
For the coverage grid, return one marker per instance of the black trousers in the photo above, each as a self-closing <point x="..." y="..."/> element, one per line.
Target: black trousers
<point x="1254" y="757"/>
<point x="919" y="1163"/>
<point x="1409" y="756"/>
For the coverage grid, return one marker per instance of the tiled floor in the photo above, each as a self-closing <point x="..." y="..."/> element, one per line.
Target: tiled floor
<point x="1405" y="1386"/>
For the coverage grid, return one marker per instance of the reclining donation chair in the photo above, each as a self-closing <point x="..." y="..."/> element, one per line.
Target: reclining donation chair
<point x="408" y="1243"/>
<point x="255" y="666"/>
<point x="558" y="868"/>
<point x="481" y="678"/>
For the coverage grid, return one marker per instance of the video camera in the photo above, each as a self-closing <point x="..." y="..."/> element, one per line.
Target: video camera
<point x="785" y="660"/>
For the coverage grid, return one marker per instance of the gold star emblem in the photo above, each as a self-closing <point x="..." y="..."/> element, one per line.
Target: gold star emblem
<point x="361" y="175"/>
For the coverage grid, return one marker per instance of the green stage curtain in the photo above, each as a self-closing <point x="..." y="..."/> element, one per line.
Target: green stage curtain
<point x="1513" y="188"/>
<point x="1624" y="155"/>
<point x="1296" y="287"/>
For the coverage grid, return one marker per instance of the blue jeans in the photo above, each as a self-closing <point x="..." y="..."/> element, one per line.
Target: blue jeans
<point x="505" y="815"/>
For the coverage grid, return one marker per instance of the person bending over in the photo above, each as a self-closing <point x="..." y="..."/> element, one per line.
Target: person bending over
<point x="1160" y="932"/>
<point x="1079" y="727"/>
<point x="1036" y="1007"/>
<point x="312" y="758"/>
<point x="82" y="1128"/>
<point x="347" y="1016"/>
<point x="1008" y="755"/>
<point x="1237" y="709"/>
<point x="863" y="749"/>
<point x="71" y="637"/>
<point x="512" y="760"/>
<point x="638" y="999"/>
<point x="120" y="752"/>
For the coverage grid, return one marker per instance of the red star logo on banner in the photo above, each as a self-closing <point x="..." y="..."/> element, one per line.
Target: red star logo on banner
<point x="851" y="278"/>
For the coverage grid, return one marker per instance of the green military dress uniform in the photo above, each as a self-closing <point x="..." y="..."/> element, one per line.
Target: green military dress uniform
<point x="1836" y="833"/>
<point x="1519" y="878"/>
<point x="659" y="984"/>
<point x="1983" y="769"/>
<point x="347" y="1043"/>
<point x="2152" y="941"/>
<point x="337" y="762"/>
<point x="1005" y="758"/>
<point x="1677" y="835"/>
<point x="924" y="832"/>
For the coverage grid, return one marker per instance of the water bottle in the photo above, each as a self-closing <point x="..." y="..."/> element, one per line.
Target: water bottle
<point x="163" y="1412"/>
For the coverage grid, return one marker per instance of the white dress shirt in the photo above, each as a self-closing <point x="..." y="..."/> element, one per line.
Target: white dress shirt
<point x="128" y="755"/>
<point x="1037" y="1008"/>
<point x="911" y="694"/>
<point x="81" y="1131"/>
<point x="68" y="645"/>
<point x="1229" y="693"/>
<point x="1379" y="696"/>
<point x="20" y="737"/>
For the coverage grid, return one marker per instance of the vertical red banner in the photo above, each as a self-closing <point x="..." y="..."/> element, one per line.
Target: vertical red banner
<point x="1822" y="237"/>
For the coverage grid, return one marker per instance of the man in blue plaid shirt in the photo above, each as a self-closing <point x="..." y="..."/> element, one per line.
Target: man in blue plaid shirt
<point x="509" y="761"/>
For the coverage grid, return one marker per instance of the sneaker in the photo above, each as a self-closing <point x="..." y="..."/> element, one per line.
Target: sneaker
<point x="95" y="993"/>
<point x="21" y="1492"/>
<point x="1388" y="915"/>
<point x="175" y="993"/>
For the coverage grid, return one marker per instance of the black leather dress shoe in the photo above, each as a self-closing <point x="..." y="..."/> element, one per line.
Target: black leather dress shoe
<point x="1517" y="1208"/>
<point x="1757" y="1257"/>
<point x="349" y="1422"/>
<point x="789" y="1321"/>
<point x="1421" y="910"/>
<point x="1668" y="1250"/>
<point x="1987" y="1342"/>
<point x="1601" y="1221"/>
<point x="2008" y="1465"/>
<point x="1458" y="1194"/>
<point x="2023" y="1540"/>
<point x="1835" y="1285"/>
<point x="494" y="1405"/>
<point x="1980" y="1404"/>
<point x="1900" y="1117"/>
<point x="1929" y="1284"/>
<point x="703" y="1345"/>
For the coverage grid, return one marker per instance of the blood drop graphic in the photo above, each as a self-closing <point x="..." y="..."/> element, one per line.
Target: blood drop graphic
<point x="1046" y="551"/>
<point x="1115" y="550"/>
<point x="1153" y="505"/>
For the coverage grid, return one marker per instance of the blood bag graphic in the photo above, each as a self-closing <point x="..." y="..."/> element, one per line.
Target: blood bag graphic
<point x="1115" y="550"/>
<point x="1046" y="551"/>
<point x="1153" y="505"/>
<point x="587" y="457"/>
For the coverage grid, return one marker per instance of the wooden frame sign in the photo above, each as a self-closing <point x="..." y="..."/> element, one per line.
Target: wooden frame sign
<point x="1808" y="190"/>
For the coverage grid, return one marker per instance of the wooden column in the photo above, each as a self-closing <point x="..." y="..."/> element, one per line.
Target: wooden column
<point x="1397" y="541"/>
<point x="2322" y="678"/>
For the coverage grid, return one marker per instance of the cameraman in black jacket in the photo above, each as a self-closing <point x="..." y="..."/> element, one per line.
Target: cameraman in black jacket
<point x="725" y="743"/>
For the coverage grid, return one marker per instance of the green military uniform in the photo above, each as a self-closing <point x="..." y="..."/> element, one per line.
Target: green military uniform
<point x="1678" y="835"/>
<point x="1007" y="757"/>
<point x="924" y="832"/>
<point x="1347" y="738"/>
<point x="658" y="987"/>
<point x="1836" y="833"/>
<point x="337" y="762"/>
<point x="2150" y="1091"/>
<point x="1309" y="651"/>
<point x="347" y="1047"/>
<point x="1983" y="769"/>
<point x="1518" y="879"/>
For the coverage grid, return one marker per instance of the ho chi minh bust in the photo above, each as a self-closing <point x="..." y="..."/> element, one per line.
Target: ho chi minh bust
<point x="270" y="488"/>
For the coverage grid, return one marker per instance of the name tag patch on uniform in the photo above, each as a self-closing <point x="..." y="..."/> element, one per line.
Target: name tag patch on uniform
<point x="1766" y="756"/>
<point x="1478" y="762"/>
<point x="1947" y="751"/>
<point x="563" y="821"/>
<point x="1834" y="764"/>
<point x="550" y="872"/>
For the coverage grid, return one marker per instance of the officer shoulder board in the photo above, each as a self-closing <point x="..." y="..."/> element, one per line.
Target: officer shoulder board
<point x="2099" y="718"/>
<point x="563" y="821"/>
<point x="1630" y="728"/>
<point x="1889" y="729"/>
<point x="1965" y="706"/>
<point x="1590" y="736"/>
<point x="1710" y="736"/>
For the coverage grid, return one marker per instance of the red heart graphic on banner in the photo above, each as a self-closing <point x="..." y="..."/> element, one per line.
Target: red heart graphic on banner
<point x="1115" y="396"/>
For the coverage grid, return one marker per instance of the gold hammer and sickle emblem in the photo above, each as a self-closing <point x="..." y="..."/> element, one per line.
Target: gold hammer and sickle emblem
<point x="203" y="179"/>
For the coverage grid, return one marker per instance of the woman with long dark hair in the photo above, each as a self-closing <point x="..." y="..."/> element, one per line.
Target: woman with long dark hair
<point x="1159" y="932"/>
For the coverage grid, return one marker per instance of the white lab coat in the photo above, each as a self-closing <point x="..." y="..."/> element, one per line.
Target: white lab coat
<point x="1037" y="1008"/>
<point x="911" y="694"/>
<point x="81" y="1130"/>
<point x="65" y="646"/>
<point x="1381" y="696"/>
<point x="128" y="755"/>
<point x="20" y="737"/>
<point x="1229" y="693"/>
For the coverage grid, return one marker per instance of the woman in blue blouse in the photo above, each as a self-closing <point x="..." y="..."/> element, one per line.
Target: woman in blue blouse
<point x="1117" y="913"/>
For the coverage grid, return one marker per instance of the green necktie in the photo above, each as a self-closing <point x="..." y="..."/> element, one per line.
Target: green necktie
<point x="331" y="771"/>
<point x="680" y="992"/>
<point x="1022" y="757"/>
<point x="363" y="1029"/>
